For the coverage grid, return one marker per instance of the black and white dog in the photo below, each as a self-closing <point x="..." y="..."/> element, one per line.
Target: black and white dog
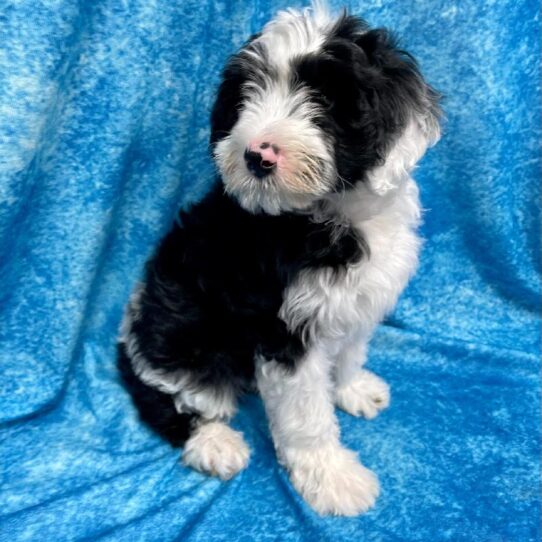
<point x="280" y="274"/>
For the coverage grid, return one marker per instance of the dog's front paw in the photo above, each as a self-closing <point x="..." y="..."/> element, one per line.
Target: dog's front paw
<point x="365" y="396"/>
<point x="216" y="449"/>
<point x="332" y="480"/>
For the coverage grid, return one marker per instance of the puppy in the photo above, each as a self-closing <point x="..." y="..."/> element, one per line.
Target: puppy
<point x="278" y="277"/>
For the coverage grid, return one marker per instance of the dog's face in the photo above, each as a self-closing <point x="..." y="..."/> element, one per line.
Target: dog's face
<point x="310" y="107"/>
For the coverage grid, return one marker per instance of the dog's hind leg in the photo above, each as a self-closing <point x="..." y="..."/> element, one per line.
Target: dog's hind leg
<point x="213" y="446"/>
<point x="156" y="408"/>
<point x="216" y="449"/>
<point x="188" y="414"/>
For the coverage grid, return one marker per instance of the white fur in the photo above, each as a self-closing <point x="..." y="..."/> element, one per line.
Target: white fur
<point x="386" y="211"/>
<point x="366" y="395"/>
<point x="332" y="480"/>
<point x="299" y="403"/>
<point x="349" y="357"/>
<point x="401" y="159"/>
<point x="215" y="448"/>
<point x="294" y="33"/>
<point x="209" y="403"/>
<point x="337" y="306"/>
<point x="300" y="409"/>
<point x="273" y="112"/>
<point x="339" y="313"/>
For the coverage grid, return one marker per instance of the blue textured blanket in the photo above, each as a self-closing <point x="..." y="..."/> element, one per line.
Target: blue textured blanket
<point x="103" y="133"/>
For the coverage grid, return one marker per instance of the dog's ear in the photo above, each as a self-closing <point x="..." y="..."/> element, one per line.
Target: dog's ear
<point x="400" y="71"/>
<point x="375" y="44"/>
<point x="229" y="97"/>
<point x="404" y="101"/>
<point x="225" y="111"/>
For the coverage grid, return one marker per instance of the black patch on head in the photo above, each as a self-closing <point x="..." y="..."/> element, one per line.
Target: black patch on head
<point x="348" y="27"/>
<point x="240" y="69"/>
<point x="228" y="102"/>
<point x="368" y="89"/>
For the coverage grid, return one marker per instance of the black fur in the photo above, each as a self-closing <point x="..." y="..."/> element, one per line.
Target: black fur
<point x="239" y="70"/>
<point x="367" y="84"/>
<point x="368" y="88"/>
<point x="155" y="408"/>
<point x="213" y="289"/>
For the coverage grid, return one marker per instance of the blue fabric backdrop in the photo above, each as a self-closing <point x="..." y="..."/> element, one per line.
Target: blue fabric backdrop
<point x="103" y="133"/>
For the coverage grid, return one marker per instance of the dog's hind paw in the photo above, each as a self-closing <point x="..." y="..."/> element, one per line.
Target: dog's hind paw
<point x="215" y="448"/>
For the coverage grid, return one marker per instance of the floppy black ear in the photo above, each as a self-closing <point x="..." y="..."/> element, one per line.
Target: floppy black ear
<point x="384" y="53"/>
<point x="376" y="44"/>
<point x="228" y="101"/>
<point x="230" y="94"/>
<point x="403" y="78"/>
<point x="348" y="27"/>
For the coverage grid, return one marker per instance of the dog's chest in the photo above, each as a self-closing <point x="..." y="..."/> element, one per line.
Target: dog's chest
<point x="328" y="304"/>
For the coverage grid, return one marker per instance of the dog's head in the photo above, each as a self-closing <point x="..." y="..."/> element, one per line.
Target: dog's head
<point x="312" y="106"/>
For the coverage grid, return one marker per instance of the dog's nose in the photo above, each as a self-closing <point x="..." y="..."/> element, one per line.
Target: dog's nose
<point x="261" y="158"/>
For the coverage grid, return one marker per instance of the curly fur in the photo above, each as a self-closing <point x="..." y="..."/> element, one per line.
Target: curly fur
<point x="279" y="279"/>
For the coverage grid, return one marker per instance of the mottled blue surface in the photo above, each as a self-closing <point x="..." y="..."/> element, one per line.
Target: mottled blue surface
<point x="103" y="130"/>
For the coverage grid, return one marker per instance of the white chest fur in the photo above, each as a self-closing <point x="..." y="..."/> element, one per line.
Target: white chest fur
<point x="330" y="306"/>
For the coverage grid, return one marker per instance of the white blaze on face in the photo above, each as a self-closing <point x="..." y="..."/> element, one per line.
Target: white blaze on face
<point x="277" y="112"/>
<point x="292" y="34"/>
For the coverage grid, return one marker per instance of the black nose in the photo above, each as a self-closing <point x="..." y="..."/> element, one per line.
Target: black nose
<point x="257" y="165"/>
